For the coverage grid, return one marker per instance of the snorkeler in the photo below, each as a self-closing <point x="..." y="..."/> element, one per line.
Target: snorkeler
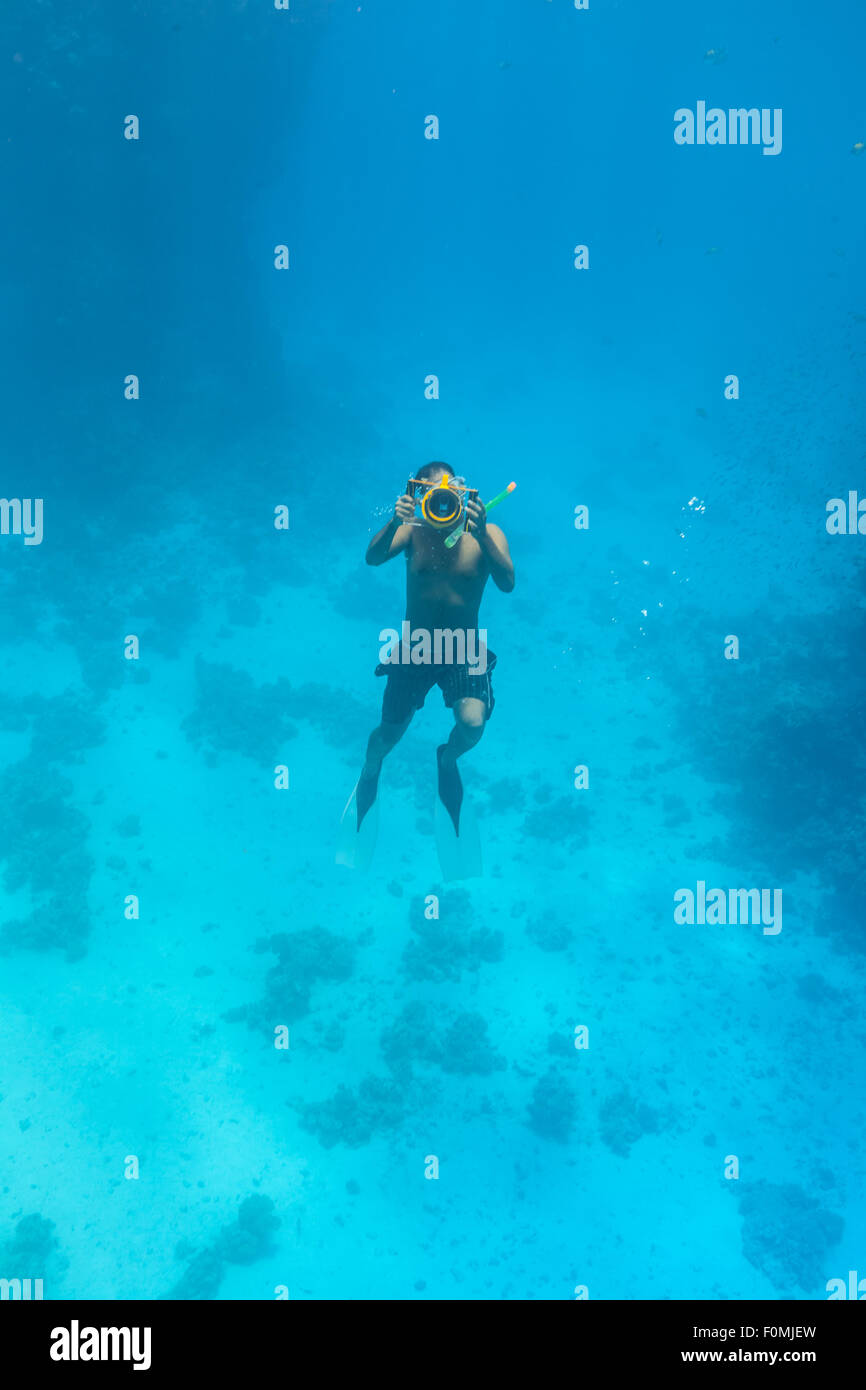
<point x="450" y="554"/>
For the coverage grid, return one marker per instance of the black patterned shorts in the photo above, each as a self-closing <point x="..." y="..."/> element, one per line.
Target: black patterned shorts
<point x="408" y="686"/>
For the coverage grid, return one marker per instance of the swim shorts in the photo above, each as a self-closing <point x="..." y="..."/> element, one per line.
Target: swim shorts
<point x="407" y="686"/>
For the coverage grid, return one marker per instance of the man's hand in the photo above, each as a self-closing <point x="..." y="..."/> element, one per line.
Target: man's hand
<point x="476" y="518"/>
<point x="395" y="536"/>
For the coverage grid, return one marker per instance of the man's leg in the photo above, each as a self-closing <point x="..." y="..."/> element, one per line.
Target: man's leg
<point x="469" y="719"/>
<point x="381" y="741"/>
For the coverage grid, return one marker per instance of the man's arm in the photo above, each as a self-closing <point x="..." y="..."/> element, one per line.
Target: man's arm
<point x="495" y="548"/>
<point x="493" y="544"/>
<point x="396" y="536"/>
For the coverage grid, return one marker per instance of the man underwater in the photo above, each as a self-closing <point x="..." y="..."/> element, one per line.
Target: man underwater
<point x="444" y="584"/>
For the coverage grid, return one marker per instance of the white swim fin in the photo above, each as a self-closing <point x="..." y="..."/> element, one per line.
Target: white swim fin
<point x="458" y="840"/>
<point x="355" y="846"/>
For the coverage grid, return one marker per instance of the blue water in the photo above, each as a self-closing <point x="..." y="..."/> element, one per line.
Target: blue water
<point x="155" y="1140"/>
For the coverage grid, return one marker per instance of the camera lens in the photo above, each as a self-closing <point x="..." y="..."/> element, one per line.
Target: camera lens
<point x="442" y="503"/>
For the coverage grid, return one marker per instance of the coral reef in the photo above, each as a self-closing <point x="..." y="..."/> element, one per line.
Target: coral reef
<point x="444" y="948"/>
<point x="33" y="1252"/>
<point x="563" y="822"/>
<point x="305" y="958"/>
<point x="234" y="715"/>
<point x="247" y="1239"/>
<point x="43" y="844"/>
<point x="787" y="1234"/>
<point x="550" y="932"/>
<point x="354" y="1117"/>
<point x="423" y="1034"/>
<point x="553" y="1107"/>
<point x="467" y="1050"/>
<point x="623" y="1119"/>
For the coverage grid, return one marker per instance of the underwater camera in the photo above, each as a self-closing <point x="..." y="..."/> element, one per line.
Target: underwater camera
<point x="442" y="503"/>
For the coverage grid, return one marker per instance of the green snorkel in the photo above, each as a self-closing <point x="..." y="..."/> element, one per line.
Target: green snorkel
<point x="455" y="535"/>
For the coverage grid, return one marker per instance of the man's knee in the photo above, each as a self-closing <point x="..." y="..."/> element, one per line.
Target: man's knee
<point x="471" y="716"/>
<point x="389" y="734"/>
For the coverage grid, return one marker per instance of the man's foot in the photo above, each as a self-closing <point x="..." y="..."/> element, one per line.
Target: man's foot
<point x="450" y="786"/>
<point x="366" y="791"/>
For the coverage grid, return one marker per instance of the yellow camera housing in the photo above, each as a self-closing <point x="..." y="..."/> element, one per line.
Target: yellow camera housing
<point x="441" y="504"/>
